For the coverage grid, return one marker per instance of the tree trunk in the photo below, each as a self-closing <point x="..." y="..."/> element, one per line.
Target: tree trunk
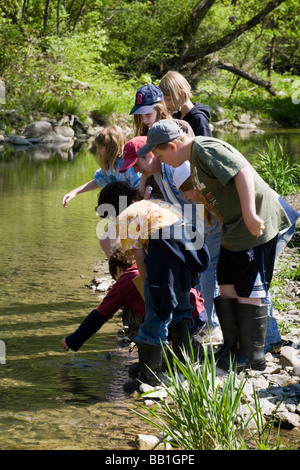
<point x="197" y="16"/>
<point x="46" y="14"/>
<point x="272" y="56"/>
<point x="78" y="16"/>
<point x="58" y="17"/>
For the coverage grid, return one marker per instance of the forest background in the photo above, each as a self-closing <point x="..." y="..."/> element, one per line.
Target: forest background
<point x="90" y="56"/>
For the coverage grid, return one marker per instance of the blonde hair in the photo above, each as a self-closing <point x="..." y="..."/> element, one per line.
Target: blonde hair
<point x="162" y="113"/>
<point x="113" y="139"/>
<point x="173" y="84"/>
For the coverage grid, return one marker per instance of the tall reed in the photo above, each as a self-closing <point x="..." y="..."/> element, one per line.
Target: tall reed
<point x="203" y="411"/>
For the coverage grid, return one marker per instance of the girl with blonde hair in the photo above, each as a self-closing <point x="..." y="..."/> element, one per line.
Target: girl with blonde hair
<point x="177" y="96"/>
<point x="109" y="144"/>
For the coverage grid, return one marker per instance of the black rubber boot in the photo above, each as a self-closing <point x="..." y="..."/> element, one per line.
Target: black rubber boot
<point x="252" y="325"/>
<point x="134" y="370"/>
<point x="198" y="351"/>
<point x="180" y="338"/>
<point x="226" y="312"/>
<point x="150" y="357"/>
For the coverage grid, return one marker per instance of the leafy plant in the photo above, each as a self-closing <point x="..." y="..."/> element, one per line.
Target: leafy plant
<point x="274" y="165"/>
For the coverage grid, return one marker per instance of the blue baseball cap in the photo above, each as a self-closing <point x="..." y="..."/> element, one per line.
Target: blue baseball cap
<point x="146" y="97"/>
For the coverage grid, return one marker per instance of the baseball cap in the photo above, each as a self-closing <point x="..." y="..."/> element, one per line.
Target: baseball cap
<point x="130" y="152"/>
<point x="146" y="97"/>
<point x="181" y="174"/>
<point x="161" y="132"/>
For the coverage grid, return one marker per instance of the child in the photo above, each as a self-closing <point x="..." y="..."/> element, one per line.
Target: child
<point x="153" y="232"/>
<point x="150" y="166"/>
<point x="251" y="217"/>
<point x="177" y="96"/>
<point x="126" y="296"/>
<point x="150" y="107"/>
<point x="122" y="294"/>
<point x="109" y="145"/>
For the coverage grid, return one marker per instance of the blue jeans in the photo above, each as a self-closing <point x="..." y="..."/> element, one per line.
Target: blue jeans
<point x="272" y="333"/>
<point x="153" y="330"/>
<point x="208" y="285"/>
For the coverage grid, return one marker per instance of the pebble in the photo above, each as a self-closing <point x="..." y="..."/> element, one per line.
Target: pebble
<point x="148" y="441"/>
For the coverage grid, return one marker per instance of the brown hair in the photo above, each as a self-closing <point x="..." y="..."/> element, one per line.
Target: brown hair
<point x="112" y="191"/>
<point x="187" y="185"/>
<point x="162" y="113"/>
<point x="119" y="260"/>
<point x="113" y="139"/>
<point x="173" y="84"/>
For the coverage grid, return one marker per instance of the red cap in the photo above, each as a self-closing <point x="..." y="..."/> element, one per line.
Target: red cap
<point x="129" y="153"/>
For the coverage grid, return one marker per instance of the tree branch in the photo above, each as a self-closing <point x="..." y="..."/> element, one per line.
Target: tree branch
<point x="197" y="16"/>
<point x="232" y="35"/>
<point x="246" y="75"/>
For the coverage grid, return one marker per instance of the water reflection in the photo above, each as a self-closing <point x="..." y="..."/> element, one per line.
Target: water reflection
<point x="250" y="143"/>
<point x="62" y="150"/>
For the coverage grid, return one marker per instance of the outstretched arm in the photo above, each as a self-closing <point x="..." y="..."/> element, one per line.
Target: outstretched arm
<point x="90" y="325"/>
<point x="89" y="186"/>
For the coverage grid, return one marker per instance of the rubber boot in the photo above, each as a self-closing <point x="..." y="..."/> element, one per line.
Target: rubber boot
<point x="226" y="312"/>
<point x="134" y="370"/>
<point x="150" y="357"/>
<point x="180" y="338"/>
<point x="252" y="326"/>
<point x="198" y="350"/>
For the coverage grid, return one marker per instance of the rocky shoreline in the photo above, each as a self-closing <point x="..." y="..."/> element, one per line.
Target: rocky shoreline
<point x="44" y="137"/>
<point x="65" y="133"/>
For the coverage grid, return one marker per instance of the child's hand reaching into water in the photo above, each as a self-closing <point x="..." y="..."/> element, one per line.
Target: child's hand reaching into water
<point x="64" y="344"/>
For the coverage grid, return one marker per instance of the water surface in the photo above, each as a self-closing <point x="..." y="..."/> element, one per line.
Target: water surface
<point x="52" y="399"/>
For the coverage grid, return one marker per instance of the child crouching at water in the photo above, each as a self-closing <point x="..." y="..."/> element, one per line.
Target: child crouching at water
<point x="110" y="146"/>
<point x="125" y="295"/>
